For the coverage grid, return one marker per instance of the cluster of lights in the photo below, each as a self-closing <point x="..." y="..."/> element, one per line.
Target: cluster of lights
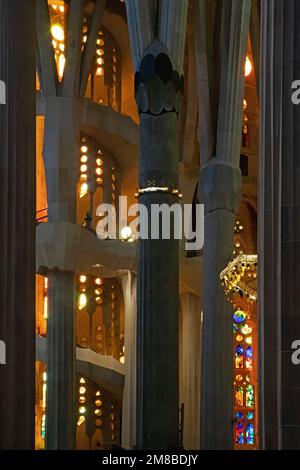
<point x="113" y="314"/>
<point x="238" y="228"/>
<point x="235" y="276"/>
<point x="99" y="57"/>
<point x="81" y="401"/>
<point x="98" y="409"/>
<point x="158" y="189"/>
<point x="238" y="249"/>
<point x="57" y="20"/>
<point x="89" y="169"/>
<point x="85" y="288"/>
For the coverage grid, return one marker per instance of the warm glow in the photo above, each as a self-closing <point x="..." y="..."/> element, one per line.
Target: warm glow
<point x="58" y="32"/>
<point x="45" y="307"/>
<point x="82" y="390"/>
<point x="248" y="67"/>
<point x="82" y="301"/>
<point x="82" y="278"/>
<point x="80" y="420"/>
<point x="83" y="190"/>
<point x="126" y="233"/>
<point x="61" y="65"/>
<point x="82" y="410"/>
<point x="122" y="360"/>
<point x="84" y="149"/>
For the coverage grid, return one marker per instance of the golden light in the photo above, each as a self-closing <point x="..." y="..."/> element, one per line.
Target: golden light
<point x="80" y="420"/>
<point x="82" y="301"/>
<point x="82" y="390"/>
<point x="82" y="279"/>
<point x="83" y="190"/>
<point x="84" y="159"/>
<point x="99" y="71"/>
<point x="57" y="32"/>
<point x="82" y="410"/>
<point x="248" y="67"/>
<point x="122" y="360"/>
<point x="126" y="233"/>
<point x="98" y="281"/>
<point x="61" y="65"/>
<point x="84" y="149"/>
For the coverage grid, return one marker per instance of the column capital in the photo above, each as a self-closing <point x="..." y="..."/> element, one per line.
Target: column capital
<point x="158" y="86"/>
<point x="220" y="186"/>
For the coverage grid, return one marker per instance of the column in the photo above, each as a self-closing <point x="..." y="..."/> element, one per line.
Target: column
<point x="157" y="33"/>
<point x="279" y="222"/>
<point x="190" y="355"/>
<point x="220" y="185"/>
<point x="17" y="228"/>
<point x="129" y="393"/>
<point x="221" y="92"/>
<point x="158" y="92"/>
<point x="60" y="416"/>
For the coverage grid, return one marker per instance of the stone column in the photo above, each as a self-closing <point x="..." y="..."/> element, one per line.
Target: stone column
<point x="279" y="226"/>
<point x="129" y="393"/>
<point x="17" y="228"/>
<point x="158" y="92"/>
<point x="220" y="185"/>
<point x="221" y="93"/>
<point x="60" y="417"/>
<point x="190" y="354"/>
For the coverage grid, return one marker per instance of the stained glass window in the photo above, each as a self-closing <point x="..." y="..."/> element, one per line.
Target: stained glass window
<point x="249" y="395"/>
<point x="246" y="329"/>
<point x="250" y="434"/>
<point x="248" y="357"/>
<point x="239" y="359"/>
<point x="239" y="316"/>
<point x="239" y="433"/>
<point x="239" y="396"/>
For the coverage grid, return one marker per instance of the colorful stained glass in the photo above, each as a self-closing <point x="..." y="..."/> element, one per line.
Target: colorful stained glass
<point x="238" y="377"/>
<point x="239" y="396"/>
<point x="235" y="328"/>
<point x="246" y="329"/>
<point x="250" y="434"/>
<point x="239" y="415"/>
<point x="239" y="338"/>
<point x="248" y="357"/>
<point x="250" y="415"/>
<point x="239" y="357"/>
<point x="249" y="395"/>
<point x="239" y="433"/>
<point x="239" y="316"/>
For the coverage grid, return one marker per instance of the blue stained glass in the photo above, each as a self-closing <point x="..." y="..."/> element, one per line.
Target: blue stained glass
<point x="239" y="350"/>
<point x="250" y="415"/>
<point x="249" y="352"/>
<point x="239" y="434"/>
<point x="239" y="316"/>
<point x="250" y="434"/>
<point x="239" y="415"/>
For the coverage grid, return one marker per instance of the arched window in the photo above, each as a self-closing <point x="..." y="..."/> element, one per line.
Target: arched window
<point x="244" y="380"/>
<point x="57" y="12"/>
<point x="98" y="416"/>
<point x="99" y="319"/>
<point x="104" y="84"/>
<point x="97" y="181"/>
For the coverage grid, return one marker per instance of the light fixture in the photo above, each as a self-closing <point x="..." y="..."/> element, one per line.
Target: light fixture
<point x="126" y="233"/>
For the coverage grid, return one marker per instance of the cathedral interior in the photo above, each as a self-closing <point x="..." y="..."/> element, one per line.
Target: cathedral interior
<point x="142" y="344"/>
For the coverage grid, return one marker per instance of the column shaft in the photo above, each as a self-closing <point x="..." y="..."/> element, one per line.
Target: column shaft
<point x="17" y="228"/>
<point x="60" y="416"/>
